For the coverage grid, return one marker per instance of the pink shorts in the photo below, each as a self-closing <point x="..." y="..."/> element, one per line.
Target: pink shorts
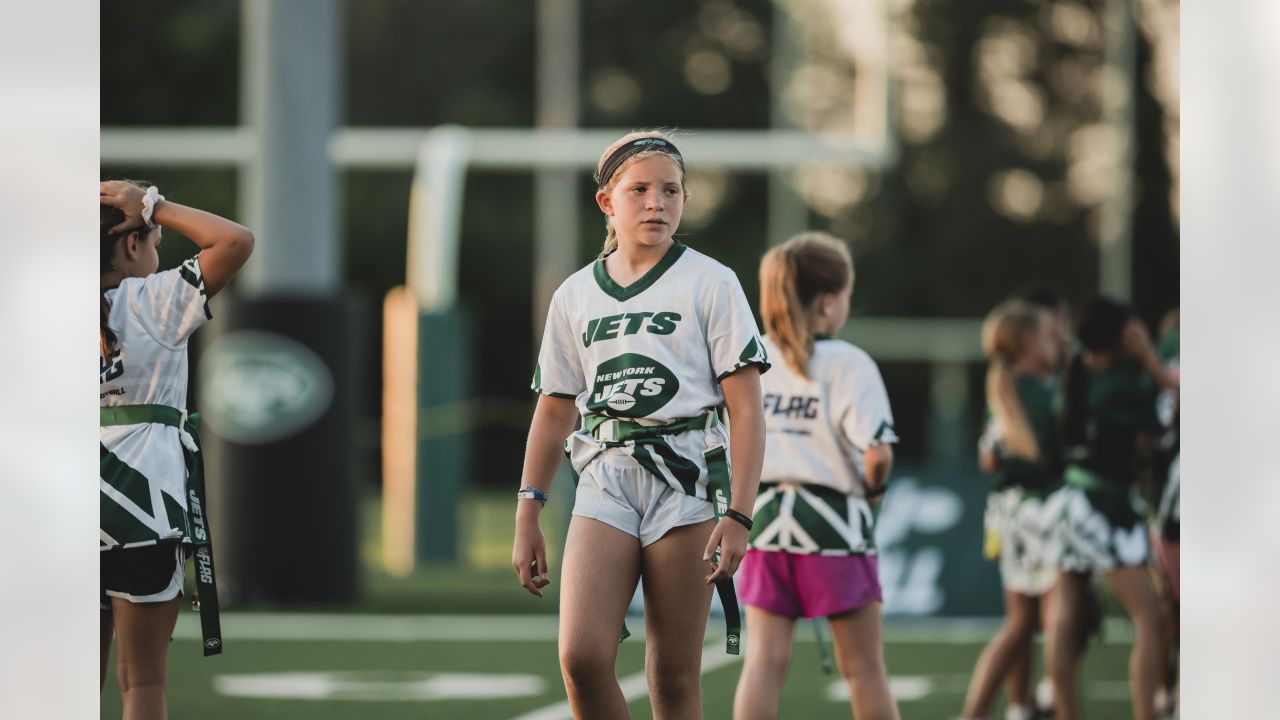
<point x="809" y="586"/>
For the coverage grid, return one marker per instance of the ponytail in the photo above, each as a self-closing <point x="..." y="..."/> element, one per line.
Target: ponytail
<point x="108" y="218"/>
<point x="1006" y="407"/>
<point x="791" y="276"/>
<point x="610" y="237"/>
<point x="785" y="319"/>
<point x="1004" y="335"/>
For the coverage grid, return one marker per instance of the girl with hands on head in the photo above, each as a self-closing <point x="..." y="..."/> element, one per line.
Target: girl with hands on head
<point x="1109" y="425"/>
<point x="650" y="347"/>
<point x="151" y="479"/>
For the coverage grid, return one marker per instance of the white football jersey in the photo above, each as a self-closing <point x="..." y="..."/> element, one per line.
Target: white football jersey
<point x="142" y="480"/>
<point x="817" y="428"/>
<point x="655" y="350"/>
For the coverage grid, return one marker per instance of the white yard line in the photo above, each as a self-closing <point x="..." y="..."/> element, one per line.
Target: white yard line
<point x="375" y="628"/>
<point x="635" y="686"/>
<point x="542" y="628"/>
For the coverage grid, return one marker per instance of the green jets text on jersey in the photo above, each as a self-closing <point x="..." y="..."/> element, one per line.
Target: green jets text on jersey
<point x="610" y="326"/>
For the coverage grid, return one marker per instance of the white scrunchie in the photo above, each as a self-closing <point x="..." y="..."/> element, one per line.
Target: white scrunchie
<point x="149" y="201"/>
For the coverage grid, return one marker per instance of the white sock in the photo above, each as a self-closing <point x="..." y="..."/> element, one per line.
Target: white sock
<point x="1018" y="712"/>
<point x="1044" y="693"/>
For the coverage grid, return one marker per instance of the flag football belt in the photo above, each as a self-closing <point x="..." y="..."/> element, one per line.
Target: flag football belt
<point x="206" y="600"/>
<point x="613" y="431"/>
<point x="618" y="431"/>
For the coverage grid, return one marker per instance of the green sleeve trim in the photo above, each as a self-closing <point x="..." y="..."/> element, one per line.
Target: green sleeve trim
<point x="762" y="364"/>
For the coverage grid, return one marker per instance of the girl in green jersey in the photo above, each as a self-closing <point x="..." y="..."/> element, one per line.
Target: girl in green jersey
<point x="1109" y="426"/>
<point x="1022" y="450"/>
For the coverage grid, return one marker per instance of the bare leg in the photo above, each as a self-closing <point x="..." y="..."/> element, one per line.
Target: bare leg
<point x="143" y="631"/>
<point x="1011" y="643"/>
<point x="1133" y="589"/>
<point x="601" y="568"/>
<point x="1017" y="679"/>
<point x="107" y="631"/>
<point x="676" y="601"/>
<point x="765" y="668"/>
<point x="860" y="654"/>
<point x="1064" y="646"/>
<point x="1048" y="617"/>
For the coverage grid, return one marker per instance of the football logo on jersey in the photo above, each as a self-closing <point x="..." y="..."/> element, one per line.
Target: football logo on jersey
<point x="632" y="385"/>
<point x="111" y="366"/>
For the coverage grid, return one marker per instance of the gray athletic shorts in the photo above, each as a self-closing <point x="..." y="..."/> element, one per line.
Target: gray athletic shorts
<point x="616" y="490"/>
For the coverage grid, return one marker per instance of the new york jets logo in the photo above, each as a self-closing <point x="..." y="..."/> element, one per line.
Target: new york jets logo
<point x="632" y="385"/>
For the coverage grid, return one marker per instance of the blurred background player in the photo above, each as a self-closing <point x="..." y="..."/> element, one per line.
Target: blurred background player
<point x="1165" y="505"/>
<point x="829" y="435"/>
<point x="646" y="344"/>
<point x="146" y="523"/>
<point x="1022" y="449"/>
<point x="1109" y="427"/>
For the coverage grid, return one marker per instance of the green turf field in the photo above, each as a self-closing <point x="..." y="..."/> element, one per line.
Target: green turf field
<point x="500" y="667"/>
<point x="466" y="642"/>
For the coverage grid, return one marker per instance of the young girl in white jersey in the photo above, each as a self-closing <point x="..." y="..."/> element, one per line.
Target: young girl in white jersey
<point x="648" y="345"/>
<point x="828" y="452"/>
<point x="150" y="485"/>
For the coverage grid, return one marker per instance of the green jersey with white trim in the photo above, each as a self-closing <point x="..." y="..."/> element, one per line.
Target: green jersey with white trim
<point x="817" y="429"/>
<point x="654" y="351"/>
<point x="142" y="483"/>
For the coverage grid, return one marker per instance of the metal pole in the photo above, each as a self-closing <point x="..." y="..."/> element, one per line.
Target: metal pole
<point x="555" y="191"/>
<point x="787" y="212"/>
<point x="1116" y="227"/>
<point x="289" y="104"/>
<point x="948" y="398"/>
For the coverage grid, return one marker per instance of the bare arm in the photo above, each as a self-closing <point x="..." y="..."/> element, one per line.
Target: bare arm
<point x="1137" y="342"/>
<point x="877" y="462"/>
<point x="224" y="245"/>
<point x="987" y="461"/>
<point x="742" y="396"/>
<point x="553" y="419"/>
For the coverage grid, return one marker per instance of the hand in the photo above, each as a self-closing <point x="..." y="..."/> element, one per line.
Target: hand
<point x="127" y="197"/>
<point x="1135" y="340"/>
<point x="529" y="558"/>
<point x="730" y="536"/>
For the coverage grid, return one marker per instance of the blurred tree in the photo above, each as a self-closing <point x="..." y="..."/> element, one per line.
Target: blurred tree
<point x="170" y="63"/>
